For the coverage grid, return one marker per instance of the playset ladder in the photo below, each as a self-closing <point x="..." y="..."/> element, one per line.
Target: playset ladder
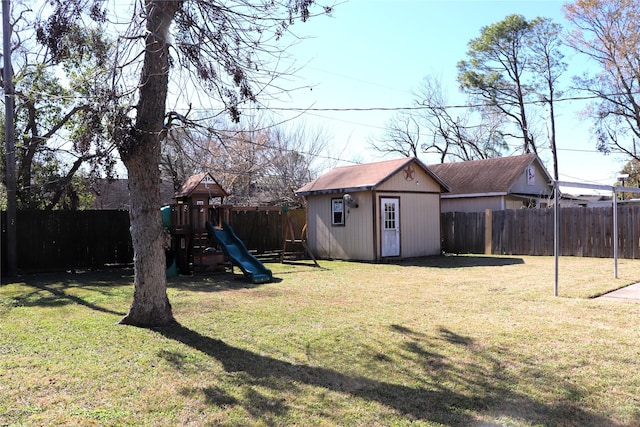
<point x="290" y="239"/>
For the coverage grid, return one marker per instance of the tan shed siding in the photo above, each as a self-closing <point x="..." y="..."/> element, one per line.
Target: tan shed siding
<point x="313" y="225"/>
<point x="419" y="223"/>
<point x="357" y="234"/>
<point x="472" y="204"/>
<point x="353" y="241"/>
<point x="320" y="236"/>
<point x="422" y="182"/>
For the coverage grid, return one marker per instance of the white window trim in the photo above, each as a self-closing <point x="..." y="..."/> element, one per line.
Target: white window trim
<point x="334" y="211"/>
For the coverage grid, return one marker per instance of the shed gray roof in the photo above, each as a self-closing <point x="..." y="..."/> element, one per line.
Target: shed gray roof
<point x="363" y="177"/>
<point x="496" y="175"/>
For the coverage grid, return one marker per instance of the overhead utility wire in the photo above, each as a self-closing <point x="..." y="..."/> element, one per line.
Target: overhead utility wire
<point x="365" y="109"/>
<point x="425" y="107"/>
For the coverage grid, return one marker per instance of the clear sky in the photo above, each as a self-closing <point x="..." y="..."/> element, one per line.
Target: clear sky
<point x="374" y="53"/>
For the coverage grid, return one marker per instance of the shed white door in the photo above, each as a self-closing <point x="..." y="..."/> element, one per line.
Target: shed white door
<point x="390" y="227"/>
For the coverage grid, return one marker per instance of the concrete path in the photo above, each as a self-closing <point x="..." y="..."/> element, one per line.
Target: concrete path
<point x="629" y="293"/>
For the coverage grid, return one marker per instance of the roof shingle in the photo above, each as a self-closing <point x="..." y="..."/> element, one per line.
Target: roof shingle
<point x="195" y="180"/>
<point x="496" y="175"/>
<point x="359" y="177"/>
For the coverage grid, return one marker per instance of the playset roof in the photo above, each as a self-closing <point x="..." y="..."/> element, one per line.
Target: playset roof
<point x="202" y="183"/>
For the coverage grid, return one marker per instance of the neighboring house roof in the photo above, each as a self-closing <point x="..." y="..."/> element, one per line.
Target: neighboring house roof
<point x="114" y="194"/>
<point x="585" y="200"/>
<point x="488" y="176"/>
<point x="204" y="180"/>
<point x="586" y="197"/>
<point x="363" y="177"/>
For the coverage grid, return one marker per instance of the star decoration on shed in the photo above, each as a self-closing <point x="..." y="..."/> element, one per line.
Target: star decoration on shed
<point x="409" y="173"/>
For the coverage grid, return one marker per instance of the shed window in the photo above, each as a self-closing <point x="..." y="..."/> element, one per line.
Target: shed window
<point x="389" y="216"/>
<point x="337" y="212"/>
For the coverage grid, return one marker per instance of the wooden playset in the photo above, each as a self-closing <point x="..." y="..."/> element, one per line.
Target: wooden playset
<point x="203" y="240"/>
<point x="200" y="199"/>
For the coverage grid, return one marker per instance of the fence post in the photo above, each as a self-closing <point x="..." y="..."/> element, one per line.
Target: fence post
<point x="488" y="231"/>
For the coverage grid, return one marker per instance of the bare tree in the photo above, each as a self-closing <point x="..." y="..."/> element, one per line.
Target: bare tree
<point x="242" y="159"/>
<point x="263" y="165"/>
<point x="401" y="136"/>
<point x="512" y="67"/>
<point x="474" y="134"/>
<point x="608" y="32"/>
<point x="187" y="151"/>
<point x="432" y="128"/>
<point x="232" y="49"/>
<point x="294" y="158"/>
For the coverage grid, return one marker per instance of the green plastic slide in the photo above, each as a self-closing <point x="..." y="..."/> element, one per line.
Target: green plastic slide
<point x="237" y="252"/>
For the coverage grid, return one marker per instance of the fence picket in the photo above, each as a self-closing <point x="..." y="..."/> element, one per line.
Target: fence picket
<point x="92" y="239"/>
<point x="583" y="232"/>
<point x="53" y="240"/>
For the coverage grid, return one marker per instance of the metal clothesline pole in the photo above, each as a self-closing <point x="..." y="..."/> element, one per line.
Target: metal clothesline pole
<point x="556" y="204"/>
<point x="556" y="215"/>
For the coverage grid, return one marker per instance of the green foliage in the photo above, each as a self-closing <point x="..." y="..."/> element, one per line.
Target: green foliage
<point x="503" y="68"/>
<point x="40" y="100"/>
<point x="75" y="195"/>
<point x="496" y="61"/>
<point x="632" y="170"/>
<point x="61" y="107"/>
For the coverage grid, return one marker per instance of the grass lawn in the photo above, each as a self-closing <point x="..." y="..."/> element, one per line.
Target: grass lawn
<point x="465" y="340"/>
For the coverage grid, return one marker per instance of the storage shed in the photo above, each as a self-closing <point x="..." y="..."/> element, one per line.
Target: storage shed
<point x="512" y="182"/>
<point x="374" y="212"/>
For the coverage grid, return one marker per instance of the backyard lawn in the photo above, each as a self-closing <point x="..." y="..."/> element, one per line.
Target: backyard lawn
<point x="460" y="340"/>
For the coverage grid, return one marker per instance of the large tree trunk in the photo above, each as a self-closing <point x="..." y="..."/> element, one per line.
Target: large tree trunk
<point x="141" y="156"/>
<point x="150" y="305"/>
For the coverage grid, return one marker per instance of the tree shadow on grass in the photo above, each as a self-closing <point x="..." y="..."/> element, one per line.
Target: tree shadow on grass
<point x="53" y="289"/>
<point x="489" y="373"/>
<point x="439" y="401"/>
<point x="455" y="261"/>
<point x="214" y="282"/>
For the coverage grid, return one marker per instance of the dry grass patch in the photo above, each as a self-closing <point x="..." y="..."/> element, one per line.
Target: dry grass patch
<point x="438" y="341"/>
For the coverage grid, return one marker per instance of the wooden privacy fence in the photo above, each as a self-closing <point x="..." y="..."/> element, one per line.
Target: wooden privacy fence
<point x="70" y="239"/>
<point x="53" y="240"/>
<point x="584" y="232"/>
<point x="93" y="239"/>
<point x="262" y="229"/>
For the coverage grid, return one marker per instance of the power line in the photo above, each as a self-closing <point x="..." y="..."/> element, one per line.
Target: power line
<point x="359" y="109"/>
<point x="431" y="107"/>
